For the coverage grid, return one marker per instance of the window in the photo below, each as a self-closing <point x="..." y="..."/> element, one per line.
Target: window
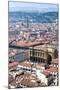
<point x="30" y="53"/>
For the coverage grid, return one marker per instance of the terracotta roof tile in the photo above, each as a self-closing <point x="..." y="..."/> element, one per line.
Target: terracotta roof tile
<point x="52" y="69"/>
<point x="12" y="64"/>
<point x="26" y="44"/>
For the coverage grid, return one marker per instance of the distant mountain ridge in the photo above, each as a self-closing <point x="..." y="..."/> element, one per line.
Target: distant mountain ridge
<point x="34" y="16"/>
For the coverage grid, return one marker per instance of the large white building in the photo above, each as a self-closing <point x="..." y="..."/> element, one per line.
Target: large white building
<point x="45" y="77"/>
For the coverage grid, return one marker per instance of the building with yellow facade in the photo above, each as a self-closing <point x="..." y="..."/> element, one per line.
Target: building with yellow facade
<point x="43" y="53"/>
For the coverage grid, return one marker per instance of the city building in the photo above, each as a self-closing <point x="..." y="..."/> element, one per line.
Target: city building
<point x="27" y="79"/>
<point x="13" y="64"/>
<point x="42" y="54"/>
<point x="45" y="77"/>
<point x="55" y="62"/>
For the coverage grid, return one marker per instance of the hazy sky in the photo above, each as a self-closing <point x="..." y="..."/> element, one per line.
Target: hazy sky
<point x="19" y="6"/>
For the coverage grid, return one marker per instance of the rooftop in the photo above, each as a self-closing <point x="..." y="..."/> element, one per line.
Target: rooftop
<point x="45" y="47"/>
<point x="29" y="64"/>
<point x="38" y="65"/>
<point x="26" y="64"/>
<point x="46" y="73"/>
<point x="55" y="61"/>
<point x="26" y="43"/>
<point x="52" y="69"/>
<point x="12" y="64"/>
<point x="27" y="79"/>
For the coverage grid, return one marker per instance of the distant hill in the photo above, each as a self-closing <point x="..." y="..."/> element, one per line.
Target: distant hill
<point x="33" y="16"/>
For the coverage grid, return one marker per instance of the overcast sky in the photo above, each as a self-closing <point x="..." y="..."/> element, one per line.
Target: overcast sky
<point x="19" y="6"/>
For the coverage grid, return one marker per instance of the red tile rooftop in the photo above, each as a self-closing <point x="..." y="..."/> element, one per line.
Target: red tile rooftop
<point x="29" y="64"/>
<point x="25" y="64"/>
<point x="25" y="79"/>
<point x="29" y="83"/>
<point x="26" y="44"/>
<point x="46" y="73"/>
<point x="28" y="79"/>
<point x="55" y="61"/>
<point x="52" y="69"/>
<point x="13" y="83"/>
<point x="39" y="65"/>
<point x="12" y="64"/>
